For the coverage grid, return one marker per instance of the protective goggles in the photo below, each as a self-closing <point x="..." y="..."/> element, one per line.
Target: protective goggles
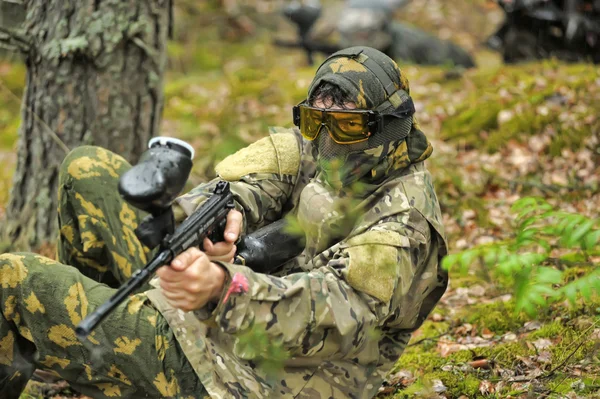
<point x="345" y="126"/>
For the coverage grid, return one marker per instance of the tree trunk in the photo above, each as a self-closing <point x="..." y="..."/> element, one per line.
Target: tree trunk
<point x="94" y="76"/>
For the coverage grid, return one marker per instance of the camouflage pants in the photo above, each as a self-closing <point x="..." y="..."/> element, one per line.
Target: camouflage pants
<point x="132" y="353"/>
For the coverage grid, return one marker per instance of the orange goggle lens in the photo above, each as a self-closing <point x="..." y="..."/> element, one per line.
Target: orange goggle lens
<point x="344" y="126"/>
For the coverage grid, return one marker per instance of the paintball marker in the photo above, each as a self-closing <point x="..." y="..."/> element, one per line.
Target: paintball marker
<point x="304" y="17"/>
<point x="152" y="185"/>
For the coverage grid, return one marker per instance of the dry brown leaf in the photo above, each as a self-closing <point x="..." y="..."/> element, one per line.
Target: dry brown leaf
<point x="486" y="387"/>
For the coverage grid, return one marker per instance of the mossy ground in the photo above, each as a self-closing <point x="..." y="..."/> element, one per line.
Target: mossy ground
<point x="223" y="95"/>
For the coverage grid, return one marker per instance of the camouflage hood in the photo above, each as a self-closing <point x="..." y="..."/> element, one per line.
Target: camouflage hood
<point x="374" y="81"/>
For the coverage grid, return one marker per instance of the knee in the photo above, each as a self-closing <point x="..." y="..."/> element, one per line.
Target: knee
<point x="91" y="162"/>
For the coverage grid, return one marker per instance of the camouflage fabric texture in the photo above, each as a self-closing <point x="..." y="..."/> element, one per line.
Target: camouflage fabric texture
<point x="344" y="310"/>
<point x="133" y="353"/>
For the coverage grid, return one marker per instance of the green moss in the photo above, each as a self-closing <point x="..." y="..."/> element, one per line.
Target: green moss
<point x="499" y="317"/>
<point x="428" y="334"/>
<point x="524" y="92"/>
<point x="550" y="330"/>
<point x="470" y="120"/>
<point x="457" y="384"/>
<point x="504" y="354"/>
<point x="424" y="362"/>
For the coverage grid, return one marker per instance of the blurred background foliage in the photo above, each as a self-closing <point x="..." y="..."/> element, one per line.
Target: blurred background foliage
<point x="500" y="133"/>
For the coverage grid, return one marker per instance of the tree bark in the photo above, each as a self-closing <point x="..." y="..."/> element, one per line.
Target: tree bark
<point x="94" y="76"/>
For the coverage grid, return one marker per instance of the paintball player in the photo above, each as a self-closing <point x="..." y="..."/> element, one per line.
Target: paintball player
<point x="371" y="23"/>
<point x="343" y="311"/>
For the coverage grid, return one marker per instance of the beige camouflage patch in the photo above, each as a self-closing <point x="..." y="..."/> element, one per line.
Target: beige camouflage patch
<point x="9" y="307"/>
<point x="89" y="208"/>
<point x="135" y="303"/>
<point x="63" y="336"/>
<point x="26" y="333"/>
<point x="161" y="347"/>
<point x="361" y="101"/>
<point x="50" y="361"/>
<point x="14" y="272"/>
<point x="115" y="373"/>
<point x="7" y="345"/>
<point x="86" y="167"/>
<point x="126" y="345"/>
<point x="127" y="216"/>
<point x="91" y="338"/>
<point x="342" y="64"/>
<point x="34" y="304"/>
<point x="165" y="387"/>
<point x="109" y="158"/>
<point x="81" y="258"/>
<point x="404" y="81"/>
<point x="134" y="246"/>
<point x="277" y="153"/>
<point x="428" y="151"/>
<point x="399" y="159"/>
<point x="372" y="269"/>
<point x="68" y="233"/>
<point x="90" y="241"/>
<point x="76" y="299"/>
<point x="379" y="237"/>
<point x="88" y="371"/>
<point x="122" y="263"/>
<point x="108" y="389"/>
<point x="45" y="261"/>
<point x="83" y="168"/>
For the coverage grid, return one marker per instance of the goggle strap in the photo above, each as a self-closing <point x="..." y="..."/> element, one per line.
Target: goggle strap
<point x="377" y="70"/>
<point x="405" y="128"/>
<point x="395" y="100"/>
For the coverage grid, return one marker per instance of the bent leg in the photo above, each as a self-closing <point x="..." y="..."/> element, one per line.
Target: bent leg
<point x="96" y="226"/>
<point x="131" y="354"/>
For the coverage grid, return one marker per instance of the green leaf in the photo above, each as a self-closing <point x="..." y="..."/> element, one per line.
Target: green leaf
<point x="450" y="261"/>
<point x="584" y="288"/>
<point x="530" y="258"/>
<point x="570" y="292"/>
<point x="591" y="240"/>
<point x="572" y="257"/>
<point x="466" y="260"/>
<point x="535" y="297"/>
<point x="525" y="236"/>
<point x="548" y="275"/>
<point x="579" y="232"/>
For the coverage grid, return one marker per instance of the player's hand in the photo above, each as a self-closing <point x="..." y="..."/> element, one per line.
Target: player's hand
<point x="225" y="250"/>
<point x="191" y="281"/>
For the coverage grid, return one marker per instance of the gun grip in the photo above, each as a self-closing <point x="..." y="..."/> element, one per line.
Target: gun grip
<point x="218" y="233"/>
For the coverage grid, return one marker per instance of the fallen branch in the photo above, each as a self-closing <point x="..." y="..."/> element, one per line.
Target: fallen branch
<point x="582" y="341"/>
<point x="434" y="338"/>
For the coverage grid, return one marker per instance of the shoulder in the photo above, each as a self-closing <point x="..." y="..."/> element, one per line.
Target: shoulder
<point x="409" y="200"/>
<point x="277" y="153"/>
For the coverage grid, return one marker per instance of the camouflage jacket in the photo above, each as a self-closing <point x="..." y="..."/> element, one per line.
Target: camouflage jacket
<point x="343" y="311"/>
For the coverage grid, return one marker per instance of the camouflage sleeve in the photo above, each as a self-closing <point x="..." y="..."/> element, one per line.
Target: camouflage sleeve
<point x="262" y="177"/>
<point x="330" y="311"/>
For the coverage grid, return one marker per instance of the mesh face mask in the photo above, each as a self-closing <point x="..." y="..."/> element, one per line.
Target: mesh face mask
<point x="342" y="165"/>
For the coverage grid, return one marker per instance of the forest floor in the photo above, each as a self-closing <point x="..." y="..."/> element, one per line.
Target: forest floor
<point x="499" y="133"/>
